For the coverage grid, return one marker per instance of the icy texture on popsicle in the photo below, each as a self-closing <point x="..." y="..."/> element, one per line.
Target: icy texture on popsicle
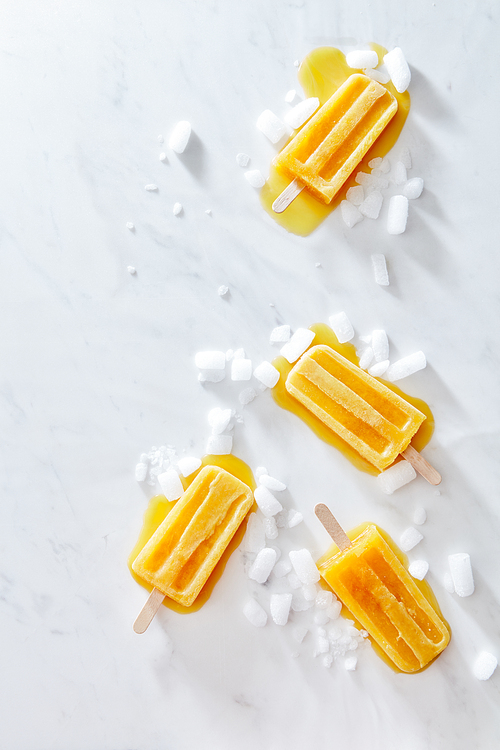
<point x="371" y="418"/>
<point x="329" y="147"/>
<point x="185" y="548"/>
<point x="379" y="592"/>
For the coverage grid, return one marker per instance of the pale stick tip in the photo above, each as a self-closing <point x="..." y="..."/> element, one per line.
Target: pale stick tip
<point x="287" y="196"/>
<point x="147" y="613"/>
<point x="332" y="526"/>
<point x="423" y="467"/>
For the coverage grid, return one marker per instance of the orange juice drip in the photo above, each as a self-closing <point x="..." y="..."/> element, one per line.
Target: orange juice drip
<point x="325" y="335"/>
<point x="321" y="73"/>
<point x="159" y="508"/>
<point x="422" y="585"/>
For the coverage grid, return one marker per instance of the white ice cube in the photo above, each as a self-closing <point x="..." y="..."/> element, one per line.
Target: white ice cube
<point x="242" y="159"/>
<point x="294" y="518"/>
<point x="180" y="136"/>
<point x="351" y="663"/>
<point x="398" y="69"/>
<point x="379" y="267"/>
<point x="363" y="178"/>
<point x="266" y="501"/>
<point x="271" y="126"/>
<point x="410" y="537"/>
<point x="210" y="360"/>
<point x="406" y="366"/>
<point x="280" y="334"/>
<point x="141" y="471"/>
<point x="301" y="112"/>
<point x="282" y="568"/>
<point x="222" y="290"/>
<point x="219" y="445"/>
<point x="484" y="666"/>
<point x="267" y="374"/>
<point x="271" y="483"/>
<point x="188" y="465"/>
<point x="246" y="396"/>
<point x="399" y="173"/>
<point x="151" y="187"/>
<point x="380" y="345"/>
<point x="419" y="515"/>
<point x="177" y="209"/>
<point x="342" y="327"/>
<point x="378" y="369"/>
<point x="290" y="96"/>
<point x="377" y="75"/>
<point x="170" y="484"/>
<point x="418" y="569"/>
<point x="324" y="599"/>
<point x="405" y="157"/>
<point x="219" y="419"/>
<point x="461" y="573"/>
<point x="255" y="178"/>
<point x="279" y="606"/>
<point x="396" y="476"/>
<point x="255" y="614"/>
<point x="351" y="215"/>
<point x="398" y="214"/>
<point x="241" y="369"/>
<point x="413" y="188"/>
<point x="304" y="566"/>
<point x="130" y="225"/>
<point x="255" y="539"/>
<point x="310" y="591"/>
<point x="366" y="358"/>
<point x="356" y="195"/>
<point x="362" y="58"/>
<point x="270" y="528"/>
<point x="372" y="204"/>
<point x="263" y="564"/>
<point x="211" y="376"/>
<point x="300" y="341"/>
<point x="333" y="610"/>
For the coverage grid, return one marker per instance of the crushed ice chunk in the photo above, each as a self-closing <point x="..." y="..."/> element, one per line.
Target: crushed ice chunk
<point x="255" y="614"/>
<point x="279" y="606"/>
<point x="280" y="334"/>
<point x="293" y="581"/>
<point x="170" y="484"/>
<point x="271" y="126"/>
<point x="413" y="188"/>
<point x="351" y="215"/>
<point x="304" y="566"/>
<point x="300" y="341"/>
<point x="131" y="270"/>
<point x="177" y="209"/>
<point x="461" y="573"/>
<point x="410" y="537"/>
<point x="299" y="633"/>
<point x="270" y="528"/>
<point x="377" y="74"/>
<point x="378" y="369"/>
<point x="324" y="599"/>
<point x="246" y="396"/>
<point x="302" y="112"/>
<point x="294" y="518"/>
<point x="405" y="157"/>
<point x="484" y="666"/>
<point x="342" y="327"/>
<point x="263" y="564"/>
<point x="222" y="290"/>
<point x="363" y="178"/>
<point x="418" y="569"/>
<point x="141" y="471"/>
<point x="406" y="366"/>
<point x="372" y="204"/>
<point x="267" y="374"/>
<point x="362" y="58"/>
<point x="180" y="136"/>
<point x="290" y="96"/>
<point x="151" y="187"/>
<point x="366" y="358"/>
<point x="419" y="515"/>
<point x="260" y="470"/>
<point x="130" y="225"/>
<point x="188" y="465"/>
<point x="255" y="178"/>
<point x="448" y="582"/>
<point x="351" y="663"/>
<point x="282" y="568"/>
<point x="320" y="617"/>
<point x="219" y="419"/>
<point x="210" y="360"/>
<point x="242" y="159"/>
<point x="356" y="195"/>
<point x="211" y="376"/>
<point x="309" y="591"/>
<point x="271" y="483"/>
<point x="396" y="476"/>
<point x="255" y="539"/>
<point x="375" y="163"/>
<point x="380" y="345"/>
<point x="379" y="267"/>
<point x="399" y="173"/>
<point x="398" y="69"/>
<point x="398" y="214"/>
<point x="333" y="610"/>
<point x="241" y="369"/>
<point x="220" y="445"/>
<point x="268" y="504"/>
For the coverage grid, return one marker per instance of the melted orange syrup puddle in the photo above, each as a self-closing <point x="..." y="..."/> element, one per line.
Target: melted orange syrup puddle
<point x="423" y="586"/>
<point x="159" y="508"/>
<point x="321" y="73"/>
<point x="325" y="335"/>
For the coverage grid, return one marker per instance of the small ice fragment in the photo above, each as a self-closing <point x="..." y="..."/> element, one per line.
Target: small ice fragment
<point x="246" y="396"/>
<point x="210" y="360"/>
<point x="378" y="369"/>
<point x="356" y="195"/>
<point x="419" y="515"/>
<point x="262" y="565"/>
<point x="461" y="573"/>
<point x="351" y="215"/>
<point x="255" y="614"/>
<point x="131" y="270"/>
<point x="241" y="369"/>
<point x="321" y="618"/>
<point x="380" y="345"/>
<point x="294" y="518"/>
<point x="366" y="339"/>
<point x="377" y="75"/>
<point x="363" y="178"/>
<point x="405" y="157"/>
<point x="211" y="376"/>
<point x="271" y="126"/>
<point x="366" y="358"/>
<point x="385" y="167"/>
<point x="270" y="528"/>
<point x="271" y="483"/>
<point x="151" y="187"/>
<point x="267" y="374"/>
<point x="399" y="173"/>
<point x="413" y="188"/>
<point x="290" y="96"/>
<point x="327" y="660"/>
<point x="280" y="334"/>
<point x="333" y="610"/>
<point x="301" y="112"/>
<point x="299" y="633"/>
<point x="282" y="568"/>
<point x="219" y="419"/>
<point x="351" y="663"/>
<point x="255" y="178"/>
<point x="309" y="591"/>
<point x="129" y="225"/>
<point x="180" y="136"/>
<point x="260" y="470"/>
<point x="398" y="214"/>
<point x="300" y="341"/>
<point x="299" y="604"/>
<point x="398" y="69"/>
<point x="163" y="156"/>
<point x="141" y="471"/>
<point x="375" y="163"/>
<point x="296" y="63"/>
<point x="362" y="58"/>
<point x="222" y="290"/>
<point x="170" y="484"/>
<point x="208" y="211"/>
<point x="239" y="353"/>
<point x="324" y="599"/>
<point x="177" y="209"/>
<point x="484" y="666"/>
<point x="242" y="159"/>
<point x="406" y="366"/>
<point x="448" y="582"/>
<point x="254" y="536"/>
<point x="411" y="536"/>
<point x="372" y="204"/>
<point x="266" y="501"/>
<point x="396" y="476"/>
<point x="379" y="266"/>
<point x="188" y="465"/>
<point x="304" y="566"/>
<point x="220" y="445"/>
<point x="279" y="605"/>
<point x="418" y="569"/>
<point x="342" y="327"/>
<point x="293" y="581"/>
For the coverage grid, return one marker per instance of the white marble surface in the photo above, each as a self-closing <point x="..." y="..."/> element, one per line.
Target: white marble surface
<point x="97" y="365"/>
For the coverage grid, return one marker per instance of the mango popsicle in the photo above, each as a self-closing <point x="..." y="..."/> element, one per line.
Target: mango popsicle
<point x="183" y="551"/>
<point x="376" y="588"/>
<point x="370" y="417"/>
<point x="329" y="147"/>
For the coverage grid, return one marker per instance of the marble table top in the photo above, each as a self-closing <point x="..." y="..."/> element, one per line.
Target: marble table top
<point x="97" y="365"/>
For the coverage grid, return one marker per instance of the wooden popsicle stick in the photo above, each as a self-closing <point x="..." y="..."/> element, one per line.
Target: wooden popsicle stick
<point x="287" y="196"/>
<point x="422" y="466"/>
<point x="333" y="527"/>
<point x="145" y="616"/>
